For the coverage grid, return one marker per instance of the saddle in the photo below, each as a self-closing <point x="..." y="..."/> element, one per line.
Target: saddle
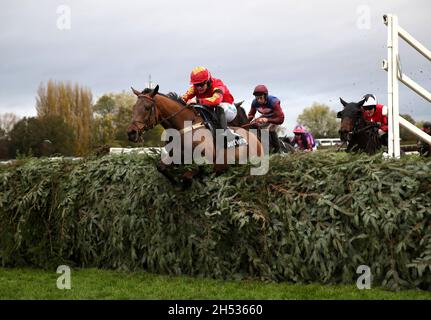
<point x="209" y="117"/>
<point x="211" y="122"/>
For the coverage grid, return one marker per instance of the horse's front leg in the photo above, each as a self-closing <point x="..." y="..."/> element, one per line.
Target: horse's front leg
<point x="353" y="146"/>
<point x="188" y="177"/>
<point x="164" y="169"/>
<point x="220" y="168"/>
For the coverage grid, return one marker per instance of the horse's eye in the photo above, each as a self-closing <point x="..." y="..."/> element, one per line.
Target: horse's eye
<point x="340" y="114"/>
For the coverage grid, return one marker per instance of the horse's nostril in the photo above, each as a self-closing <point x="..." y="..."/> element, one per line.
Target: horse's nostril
<point x="131" y="135"/>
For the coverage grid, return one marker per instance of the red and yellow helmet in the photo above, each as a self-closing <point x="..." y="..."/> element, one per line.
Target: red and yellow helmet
<point x="199" y="75"/>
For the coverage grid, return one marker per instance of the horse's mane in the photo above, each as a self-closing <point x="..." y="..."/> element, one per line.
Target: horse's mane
<point x="174" y="96"/>
<point x="171" y="95"/>
<point x="146" y="90"/>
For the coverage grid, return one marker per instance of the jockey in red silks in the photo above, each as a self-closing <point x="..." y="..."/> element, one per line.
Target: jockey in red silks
<point x="211" y="92"/>
<point x="374" y="112"/>
<point x="271" y="113"/>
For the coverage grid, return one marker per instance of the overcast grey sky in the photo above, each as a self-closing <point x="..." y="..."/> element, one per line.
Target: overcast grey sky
<point x="304" y="51"/>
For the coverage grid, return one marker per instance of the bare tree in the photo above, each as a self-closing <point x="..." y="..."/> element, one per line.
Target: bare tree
<point x="7" y="121"/>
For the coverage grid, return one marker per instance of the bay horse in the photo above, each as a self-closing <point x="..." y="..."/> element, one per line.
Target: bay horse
<point x="152" y="108"/>
<point x="361" y="136"/>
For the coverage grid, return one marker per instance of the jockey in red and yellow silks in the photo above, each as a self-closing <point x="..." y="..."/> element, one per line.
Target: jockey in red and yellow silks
<point x="213" y="93"/>
<point x="208" y="90"/>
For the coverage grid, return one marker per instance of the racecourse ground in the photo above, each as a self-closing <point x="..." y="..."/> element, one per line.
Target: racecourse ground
<point x="28" y="283"/>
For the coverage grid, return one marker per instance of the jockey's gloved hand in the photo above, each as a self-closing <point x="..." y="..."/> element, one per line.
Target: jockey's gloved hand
<point x="374" y="124"/>
<point x="260" y="120"/>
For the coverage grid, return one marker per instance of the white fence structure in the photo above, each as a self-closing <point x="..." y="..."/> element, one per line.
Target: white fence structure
<point x="149" y="150"/>
<point x="393" y="67"/>
<point x="328" y="142"/>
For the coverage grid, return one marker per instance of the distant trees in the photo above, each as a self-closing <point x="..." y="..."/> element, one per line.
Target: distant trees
<point x="67" y="123"/>
<point x="104" y="128"/>
<point x="420" y="123"/>
<point x="405" y="134"/>
<point x="112" y="116"/>
<point x="73" y="104"/>
<point x="43" y="136"/>
<point x="7" y="122"/>
<point x="320" y="120"/>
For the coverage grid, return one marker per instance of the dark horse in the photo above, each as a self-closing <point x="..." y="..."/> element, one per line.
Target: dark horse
<point x="424" y="148"/>
<point x="170" y="111"/>
<point x="360" y="135"/>
<point x="241" y="116"/>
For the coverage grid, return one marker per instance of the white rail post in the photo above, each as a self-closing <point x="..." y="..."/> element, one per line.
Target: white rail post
<point x="393" y="91"/>
<point x="392" y="66"/>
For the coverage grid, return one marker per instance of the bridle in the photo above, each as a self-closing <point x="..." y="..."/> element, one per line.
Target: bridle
<point x="142" y="126"/>
<point x="356" y="128"/>
<point x="356" y="131"/>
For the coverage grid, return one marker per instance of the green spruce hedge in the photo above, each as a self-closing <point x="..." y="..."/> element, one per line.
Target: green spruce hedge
<point x="313" y="218"/>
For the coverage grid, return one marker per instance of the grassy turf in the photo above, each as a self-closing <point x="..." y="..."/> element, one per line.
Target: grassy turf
<point x="104" y="284"/>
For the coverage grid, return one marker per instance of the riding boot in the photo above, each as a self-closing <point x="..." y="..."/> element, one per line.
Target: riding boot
<point x="221" y="118"/>
<point x="223" y="123"/>
<point x="274" y="141"/>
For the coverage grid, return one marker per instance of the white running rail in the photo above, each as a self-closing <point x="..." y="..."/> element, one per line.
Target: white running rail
<point x="393" y="67"/>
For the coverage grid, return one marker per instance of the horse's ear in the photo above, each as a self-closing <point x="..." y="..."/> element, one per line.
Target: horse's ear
<point x="155" y="91"/>
<point x="238" y="104"/>
<point x="135" y="91"/>
<point x="361" y="103"/>
<point x="344" y="103"/>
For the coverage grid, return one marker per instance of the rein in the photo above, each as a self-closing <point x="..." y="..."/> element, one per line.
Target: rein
<point x="365" y="128"/>
<point x="356" y="131"/>
<point x="154" y="111"/>
<point x="247" y="125"/>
